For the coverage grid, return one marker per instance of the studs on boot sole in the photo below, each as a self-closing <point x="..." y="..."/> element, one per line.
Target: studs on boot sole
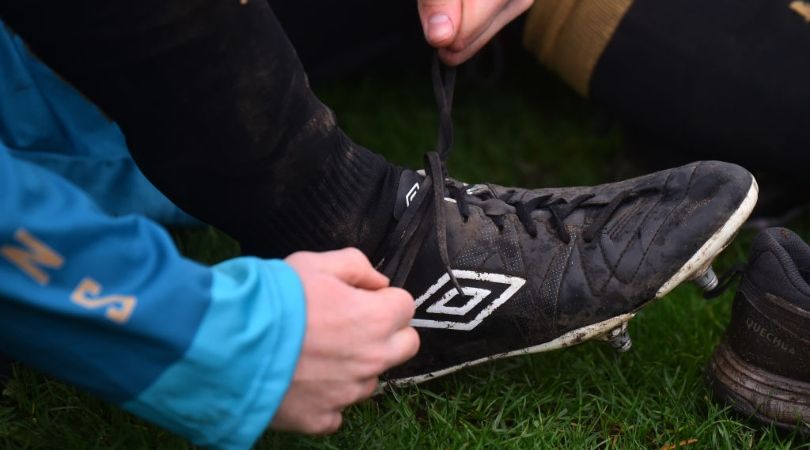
<point x="707" y="281"/>
<point x="618" y="338"/>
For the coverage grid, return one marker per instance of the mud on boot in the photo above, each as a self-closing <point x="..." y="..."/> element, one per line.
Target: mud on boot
<point x="498" y="271"/>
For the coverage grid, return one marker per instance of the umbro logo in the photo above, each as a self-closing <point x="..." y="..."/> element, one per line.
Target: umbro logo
<point x="441" y="306"/>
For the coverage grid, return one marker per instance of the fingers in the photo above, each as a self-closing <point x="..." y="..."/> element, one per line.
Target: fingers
<point x="369" y="387"/>
<point x="479" y="26"/>
<point x="441" y="20"/>
<point x="328" y="424"/>
<point x="357" y="328"/>
<point x="477" y="17"/>
<point x="459" y="28"/>
<point x="403" y="346"/>
<point x="396" y="305"/>
<point x="349" y="265"/>
<point x="318" y="424"/>
<point x="329" y="420"/>
<point x="302" y="412"/>
<point x="358" y="391"/>
<point x="388" y="340"/>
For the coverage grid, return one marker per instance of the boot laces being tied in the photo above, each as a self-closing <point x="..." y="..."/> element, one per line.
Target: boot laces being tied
<point x="413" y="225"/>
<point x="499" y="271"/>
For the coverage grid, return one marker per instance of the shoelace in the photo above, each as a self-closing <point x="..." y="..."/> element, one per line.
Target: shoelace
<point x="413" y="223"/>
<point x="559" y="209"/>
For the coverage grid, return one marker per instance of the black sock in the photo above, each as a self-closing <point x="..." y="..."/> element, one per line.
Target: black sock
<point x="218" y="114"/>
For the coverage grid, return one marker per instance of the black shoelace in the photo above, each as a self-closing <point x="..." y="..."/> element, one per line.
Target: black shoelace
<point x="413" y="226"/>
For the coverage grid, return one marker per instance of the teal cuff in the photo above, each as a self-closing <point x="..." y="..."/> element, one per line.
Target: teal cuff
<point x="226" y="389"/>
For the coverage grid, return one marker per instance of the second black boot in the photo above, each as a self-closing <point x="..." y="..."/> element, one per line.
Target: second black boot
<point x="762" y="366"/>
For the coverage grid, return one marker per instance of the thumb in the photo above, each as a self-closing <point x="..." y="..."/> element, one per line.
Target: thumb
<point x="351" y="266"/>
<point x="441" y="20"/>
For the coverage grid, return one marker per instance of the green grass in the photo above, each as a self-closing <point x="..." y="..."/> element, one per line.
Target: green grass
<point x="529" y="130"/>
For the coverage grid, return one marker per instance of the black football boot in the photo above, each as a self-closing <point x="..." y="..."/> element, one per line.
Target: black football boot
<point x="762" y="366"/>
<point x="500" y="271"/>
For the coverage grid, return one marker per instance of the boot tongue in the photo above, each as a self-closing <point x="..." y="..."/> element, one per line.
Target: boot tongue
<point x="409" y="184"/>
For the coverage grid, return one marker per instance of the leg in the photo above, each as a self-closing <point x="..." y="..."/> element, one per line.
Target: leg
<point x="695" y="79"/>
<point x="218" y="113"/>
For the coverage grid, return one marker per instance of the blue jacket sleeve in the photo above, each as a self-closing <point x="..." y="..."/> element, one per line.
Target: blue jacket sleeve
<point x="108" y="305"/>
<point x="46" y="121"/>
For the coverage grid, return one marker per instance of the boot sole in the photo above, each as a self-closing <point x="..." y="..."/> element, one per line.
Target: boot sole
<point x="693" y="268"/>
<point x="757" y="393"/>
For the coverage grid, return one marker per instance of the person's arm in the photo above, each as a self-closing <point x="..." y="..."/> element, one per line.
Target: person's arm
<point x="214" y="354"/>
<point x="108" y="305"/>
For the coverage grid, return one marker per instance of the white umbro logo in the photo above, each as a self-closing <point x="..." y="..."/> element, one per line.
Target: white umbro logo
<point x="480" y="300"/>
<point x="411" y="194"/>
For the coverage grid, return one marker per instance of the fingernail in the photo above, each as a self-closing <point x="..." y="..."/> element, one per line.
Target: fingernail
<point x="439" y="27"/>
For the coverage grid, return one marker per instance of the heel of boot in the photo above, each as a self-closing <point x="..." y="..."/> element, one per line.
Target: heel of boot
<point x="757" y="393"/>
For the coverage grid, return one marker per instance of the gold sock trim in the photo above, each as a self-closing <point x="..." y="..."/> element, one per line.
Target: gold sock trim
<point x="569" y="36"/>
<point x="801" y="8"/>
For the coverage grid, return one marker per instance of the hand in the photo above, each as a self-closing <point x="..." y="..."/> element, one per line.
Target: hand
<point x="357" y="327"/>
<point x="459" y="28"/>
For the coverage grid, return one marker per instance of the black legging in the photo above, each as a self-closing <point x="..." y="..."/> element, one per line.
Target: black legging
<point x="217" y="112"/>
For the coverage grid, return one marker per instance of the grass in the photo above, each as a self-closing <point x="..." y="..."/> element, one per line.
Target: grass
<point x="529" y="130"/>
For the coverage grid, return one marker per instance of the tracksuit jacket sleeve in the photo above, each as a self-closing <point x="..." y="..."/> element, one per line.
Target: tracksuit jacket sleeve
<point x="108" y="305"/>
